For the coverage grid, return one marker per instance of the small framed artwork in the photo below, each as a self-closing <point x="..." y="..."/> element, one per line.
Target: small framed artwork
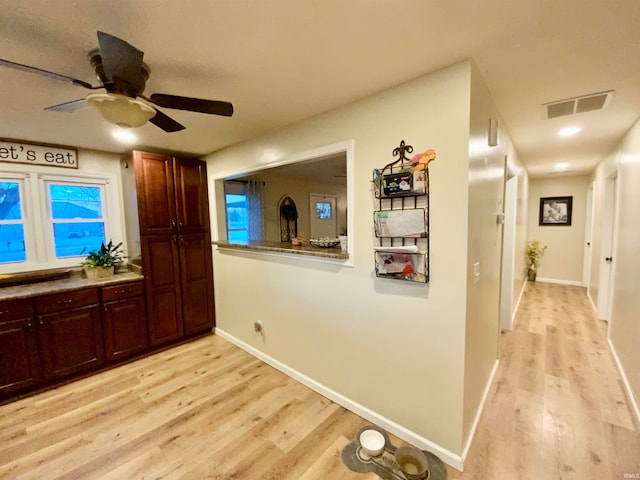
<point x="555" y="211"/>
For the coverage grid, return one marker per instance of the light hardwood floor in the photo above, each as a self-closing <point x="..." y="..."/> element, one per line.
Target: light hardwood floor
<point x="207" y="410"/>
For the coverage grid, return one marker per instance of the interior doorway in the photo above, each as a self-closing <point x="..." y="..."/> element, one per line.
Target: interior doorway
<point x="323" y="215"/>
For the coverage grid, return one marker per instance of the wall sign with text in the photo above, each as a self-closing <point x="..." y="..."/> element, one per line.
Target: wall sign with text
<point x="35" y="154"/>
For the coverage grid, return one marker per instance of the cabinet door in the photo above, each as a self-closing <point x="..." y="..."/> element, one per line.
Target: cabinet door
<point x="125" y="328"/>
<point x="70" y="341"/>
<point x="162" y="288"/>
<point x="191" y="195"/>
<point x="156" y="194"/>
<point x="196" y="275"/>
<point x="19" y="363"/>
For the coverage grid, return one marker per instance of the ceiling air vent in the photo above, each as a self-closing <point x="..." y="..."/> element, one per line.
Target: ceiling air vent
<point x="571" y="106"/>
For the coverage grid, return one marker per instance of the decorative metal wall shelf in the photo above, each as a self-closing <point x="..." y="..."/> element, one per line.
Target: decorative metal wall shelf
<point x="401" y="216"/>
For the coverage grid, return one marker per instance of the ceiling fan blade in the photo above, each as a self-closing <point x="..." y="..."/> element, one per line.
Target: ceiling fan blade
<point x="71" y="106"/>
<point x="165" y="122"/>
<point x="214" y="107"/>
<point x="46" y="73"/>
<point x="122" y="64"/>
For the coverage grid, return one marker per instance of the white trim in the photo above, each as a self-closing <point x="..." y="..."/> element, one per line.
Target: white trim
<point x="405" y="434"/>
<point x="575" y="283"/>
<point x="593" y="304"/>
<point x="627" y="385"/>
<point x="515" y="310"/>
<point x="476" y="420"/>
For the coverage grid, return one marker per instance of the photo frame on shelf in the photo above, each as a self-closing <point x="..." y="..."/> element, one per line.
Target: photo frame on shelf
<point x="406" y="181"/>
<point x="555" y="211"/>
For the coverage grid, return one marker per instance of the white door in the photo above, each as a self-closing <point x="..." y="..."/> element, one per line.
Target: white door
<point x="323" y="216"/>
<point x="508" y="253"/>
<point x="605" y="287"/>
<point x="588" y="238"/>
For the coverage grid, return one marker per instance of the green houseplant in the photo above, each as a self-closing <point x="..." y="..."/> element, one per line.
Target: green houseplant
<point x="535" y="251"/>
<point x="102" y="262"/>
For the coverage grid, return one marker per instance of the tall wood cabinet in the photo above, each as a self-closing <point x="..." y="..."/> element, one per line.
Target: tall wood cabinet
<point x="173" y="210"/>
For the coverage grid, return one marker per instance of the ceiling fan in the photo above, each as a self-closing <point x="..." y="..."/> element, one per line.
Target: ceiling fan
<point x="122" y="73"/>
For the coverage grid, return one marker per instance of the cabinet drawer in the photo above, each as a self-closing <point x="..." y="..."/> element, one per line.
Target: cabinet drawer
<point x="15" y="309"/>
<point x="122" y="291"/>
<point x="57" y="302"/>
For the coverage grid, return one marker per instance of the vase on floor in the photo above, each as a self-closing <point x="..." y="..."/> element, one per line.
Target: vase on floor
<point x="532" y="273"/>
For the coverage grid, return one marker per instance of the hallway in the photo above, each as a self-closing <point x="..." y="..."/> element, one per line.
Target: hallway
<point x="557" y="408"/>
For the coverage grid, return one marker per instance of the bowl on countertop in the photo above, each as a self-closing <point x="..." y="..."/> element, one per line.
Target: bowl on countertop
<point x="324" y="242"/>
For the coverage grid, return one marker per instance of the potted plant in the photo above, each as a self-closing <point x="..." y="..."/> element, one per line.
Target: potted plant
<point x="101" y="262"/>
<point x="535" y="251"/>
<point x="343" y="238"/>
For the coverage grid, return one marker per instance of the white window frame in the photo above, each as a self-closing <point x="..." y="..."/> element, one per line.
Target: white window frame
<point x="38" y="230"/>
<point x="47" y="181"/>
<point x="30" y="251"/>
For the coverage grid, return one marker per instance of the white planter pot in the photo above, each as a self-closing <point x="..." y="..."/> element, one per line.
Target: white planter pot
<point x="98" y="272"/>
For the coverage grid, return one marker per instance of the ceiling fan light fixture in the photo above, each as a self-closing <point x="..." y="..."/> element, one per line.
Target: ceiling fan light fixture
<point x="121" y="110"/>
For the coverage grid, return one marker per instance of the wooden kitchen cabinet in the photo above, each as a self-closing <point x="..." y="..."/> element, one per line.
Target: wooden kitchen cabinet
<point x="173" y="211"/>
<point x="172" y="194"/>
<point x="19" y="360"/>
<point x="197" y="290"/>
<point x="69" y="332"/>
<point x="124" y="320"/>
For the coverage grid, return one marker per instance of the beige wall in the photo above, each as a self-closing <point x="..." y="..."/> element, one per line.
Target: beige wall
<point x="277" y="186"/>
<point x="328" y="321"/>
<point x="486" y="189"/>
<point x="624" y="324"/>
<point x="563" y="259"/>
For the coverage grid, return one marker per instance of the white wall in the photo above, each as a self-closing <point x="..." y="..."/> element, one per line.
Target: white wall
<point x="394" y="348"/>
<point x="624" y="325"/>
<point x="563" y="259"/>
<point x="486" y="190"/>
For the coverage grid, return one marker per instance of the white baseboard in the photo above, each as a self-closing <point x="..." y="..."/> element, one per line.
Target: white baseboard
<point x="560" y="282"/>
<point x="517" y="306"/>
<point x="595" y="309"/>
<point x="627" y="386"/>
<point x="405" y="434"/>
<point x="476" y="420"/>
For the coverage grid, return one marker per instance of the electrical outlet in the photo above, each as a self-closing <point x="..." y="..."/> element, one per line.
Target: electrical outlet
<point x="258" y="327"/>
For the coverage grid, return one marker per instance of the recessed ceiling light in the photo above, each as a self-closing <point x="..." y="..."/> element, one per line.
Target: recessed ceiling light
<point x="561" y="165"/>
<point x="126" y="136"/>
<point x="565" y="132"/>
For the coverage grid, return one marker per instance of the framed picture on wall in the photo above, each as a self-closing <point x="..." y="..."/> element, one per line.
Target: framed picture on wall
<point x="555" y="211"/>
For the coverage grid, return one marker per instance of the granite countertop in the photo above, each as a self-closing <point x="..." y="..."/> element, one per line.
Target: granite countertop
<point x="287" y="247"/>
<point x="75" y="281"/>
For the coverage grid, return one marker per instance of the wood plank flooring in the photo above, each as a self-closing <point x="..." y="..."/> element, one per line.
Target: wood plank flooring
<point x="208" y="410"/>
<point x="557" y="408"/>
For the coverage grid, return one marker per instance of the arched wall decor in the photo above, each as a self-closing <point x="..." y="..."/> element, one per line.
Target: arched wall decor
<point x="288" y="219"/>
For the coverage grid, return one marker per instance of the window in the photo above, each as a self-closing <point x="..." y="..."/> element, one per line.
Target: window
<point x="237" y="219"/>
<point x="52" y="221"/>
<point x="12" y="240"/>
<point x="77" y="216"/>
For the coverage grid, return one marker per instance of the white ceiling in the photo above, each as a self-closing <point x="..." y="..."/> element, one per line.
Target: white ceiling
<point x="280" y="61"/>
